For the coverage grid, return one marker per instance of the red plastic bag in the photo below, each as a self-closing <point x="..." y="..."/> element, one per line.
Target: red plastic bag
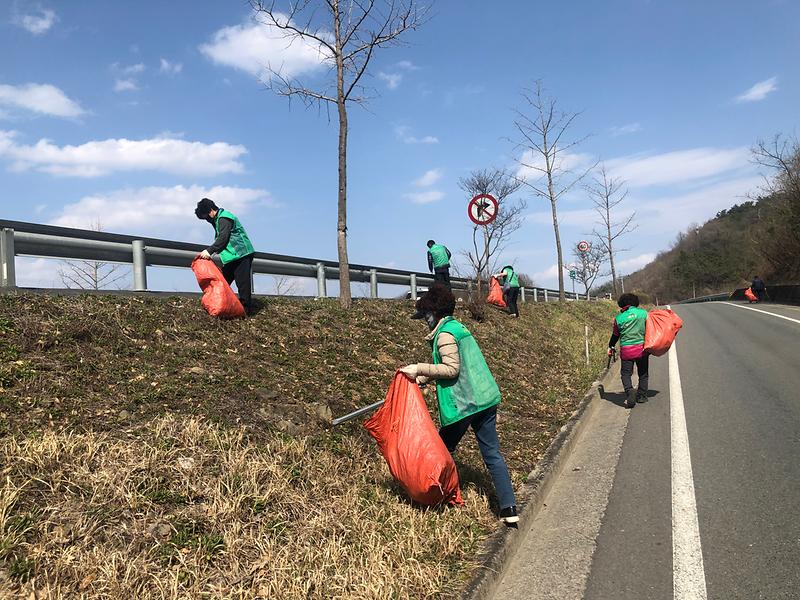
<point x="410" y="443"/>
<point x="496" y="293"/>
<point x="660" y="330"/>
<point x="218" y="297"/>
<point x="750" y="295"/>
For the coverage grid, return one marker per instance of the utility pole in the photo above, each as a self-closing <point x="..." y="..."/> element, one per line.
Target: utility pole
<point x="693" y="292"/>
<point x="622" y="283"/>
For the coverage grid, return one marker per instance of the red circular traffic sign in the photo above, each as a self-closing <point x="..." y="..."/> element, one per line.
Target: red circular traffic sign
<point x="482" y="209"/>
<point x="583" y="246"/>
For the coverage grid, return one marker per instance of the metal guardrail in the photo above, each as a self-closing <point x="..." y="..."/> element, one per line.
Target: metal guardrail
<point x="18" y="238"/>
<point x="711" y="298"/>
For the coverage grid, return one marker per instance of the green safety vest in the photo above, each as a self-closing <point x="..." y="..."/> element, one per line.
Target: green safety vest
<point x="511" y="278"/>
<point x="474" y="389"/>
<point x="631" y="324"/>
<point x="439" y="255"/>
<point x="239" y="244"/>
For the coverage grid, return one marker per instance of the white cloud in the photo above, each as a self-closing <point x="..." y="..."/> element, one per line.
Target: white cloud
<point x="549" y="273"/>
<point x="406" y="65"/>
<point x="37" y="24"/>
<point x="38" y="272"/>
<point x="170" y="68"/>
<point x="759" y="91"/>
<point x="155" y="210"/>
<point x="392" y="79"/>
<point x="533" y="163"/>
<point x="130" y="69"/>
<point x="424" y="197"/>
<point x="635" y="263"/>
<point x="625" y="129"/>
<point x="429" y="178"/>
<point x="41" y="98"/>
<point x="255" y="48"/>
<point x="96" y="158"/>
<point x="125" y="85"/>
<point x="682" y="166"/>
<point x="403" y="133"/>
<point x="671" y="214"/>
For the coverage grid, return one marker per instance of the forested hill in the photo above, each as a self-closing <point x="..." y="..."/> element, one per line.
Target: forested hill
<point x="723" y="254"/>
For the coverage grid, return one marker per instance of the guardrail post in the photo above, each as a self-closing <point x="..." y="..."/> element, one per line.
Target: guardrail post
<point x="522" y="294"/>
<point x="8" y="276"/>
<point x="373" y="283"/>
<point x="413" y="283"/>
<point x="535" y="295"/>
<point x="139" y="266"/>
<point x="322" y="284"/>
<point x="545" y="295"/>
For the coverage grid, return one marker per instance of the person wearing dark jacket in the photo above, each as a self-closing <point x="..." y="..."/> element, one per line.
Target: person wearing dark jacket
<point x="439" y="262"/>
<point x="758" y="287"/>
<point x="233" y="247"/>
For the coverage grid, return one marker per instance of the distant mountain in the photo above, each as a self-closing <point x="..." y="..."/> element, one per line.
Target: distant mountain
<point x="721" y="255"/>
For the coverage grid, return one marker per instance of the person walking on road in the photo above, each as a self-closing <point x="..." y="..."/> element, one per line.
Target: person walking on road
<point x="439" y="262"/>
<point x="233" y="246"/>
<point x="629" y="327"/>
<point x="510" y="282"/>
<point x="758" y="287"/>
<point x="468" y="393"/>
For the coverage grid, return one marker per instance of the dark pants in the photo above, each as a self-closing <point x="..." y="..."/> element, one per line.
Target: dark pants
<point x="511" y="299"/>
<point x="484" y="424"/>
<point x="241" y="271"/>
<point x="760" y="294"/>
<point x="641" y="369"/>
<point x="442" y="275"/>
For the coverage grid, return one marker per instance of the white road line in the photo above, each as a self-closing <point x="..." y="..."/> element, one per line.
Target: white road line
<point x="688" y="574"/>
<point x="766" y="312"/>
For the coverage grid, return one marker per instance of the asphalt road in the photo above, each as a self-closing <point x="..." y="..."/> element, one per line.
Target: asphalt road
<point x="739" y="374"/>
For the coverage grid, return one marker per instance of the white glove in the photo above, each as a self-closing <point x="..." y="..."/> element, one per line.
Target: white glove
<point x="410" y="371"/>
<point x="204" y="254"/>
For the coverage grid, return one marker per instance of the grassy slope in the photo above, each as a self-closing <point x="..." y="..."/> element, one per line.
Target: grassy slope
<point x="149" y="451"/>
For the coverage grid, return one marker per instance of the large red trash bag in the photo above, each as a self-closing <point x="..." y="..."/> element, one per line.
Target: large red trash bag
<point x="750" y="295"/>
<point x="410" y="443"/>
<point x="496" y="293"/>
<point x="660" y="330"/>
<point x="218" y="297"/>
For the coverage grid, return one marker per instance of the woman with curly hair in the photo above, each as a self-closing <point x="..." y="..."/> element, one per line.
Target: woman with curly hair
<point x="467" y="392"/>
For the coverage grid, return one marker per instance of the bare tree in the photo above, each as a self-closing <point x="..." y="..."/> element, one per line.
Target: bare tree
<point x="91" y="274"/>
<point x="346" y="33"/>
<point x="544" y="155"/>
<point x="286" y="286"/>
<point x="588" y="265"/>
<point x="780" y="227"/>
<point x="607" y="193"/>
<point x="490" y="240"/>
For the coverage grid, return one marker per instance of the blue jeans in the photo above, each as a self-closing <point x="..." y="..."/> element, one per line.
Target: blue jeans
<point x="484" y="424"/>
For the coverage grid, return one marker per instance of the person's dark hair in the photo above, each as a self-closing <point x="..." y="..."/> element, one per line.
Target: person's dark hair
<point x="439" y="300"/>
<point x="204" y="207"/>
<point x="430" y="243"/>
<point x="628" y="300"/>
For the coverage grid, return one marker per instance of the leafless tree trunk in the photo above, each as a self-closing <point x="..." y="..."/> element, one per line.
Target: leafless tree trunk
<point x="490" y="240"/>
<point x="543" y="153"/>
<point x="359" y="27"/>
<point x="91" y="274"/>
<point x="607" y="193"/>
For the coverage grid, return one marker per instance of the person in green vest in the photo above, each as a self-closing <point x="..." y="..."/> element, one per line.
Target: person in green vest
<point x="508" y="277"/>
<point x="233" y="246"/>
<point x="629" y="327"/>
<point x="467" y="392"/>
<point x="439" y="262"/>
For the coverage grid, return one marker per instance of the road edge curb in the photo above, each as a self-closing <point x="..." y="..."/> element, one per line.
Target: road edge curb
<point x="501" y="545"/>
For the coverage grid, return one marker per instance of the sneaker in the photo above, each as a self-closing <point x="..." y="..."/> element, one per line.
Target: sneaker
<point x="509" y="515"/>
<point x="631" y="400"/>
<point x="641" y="397"/>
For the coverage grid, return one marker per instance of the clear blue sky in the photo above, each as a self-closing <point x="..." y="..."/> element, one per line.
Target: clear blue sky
<point x="128" y="113"/>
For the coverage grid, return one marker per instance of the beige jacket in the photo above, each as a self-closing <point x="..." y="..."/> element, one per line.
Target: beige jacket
<point x="451" y="361"/>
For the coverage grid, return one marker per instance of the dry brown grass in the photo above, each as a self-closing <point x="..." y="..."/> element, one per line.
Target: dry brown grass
<point x="220" y="483"/>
